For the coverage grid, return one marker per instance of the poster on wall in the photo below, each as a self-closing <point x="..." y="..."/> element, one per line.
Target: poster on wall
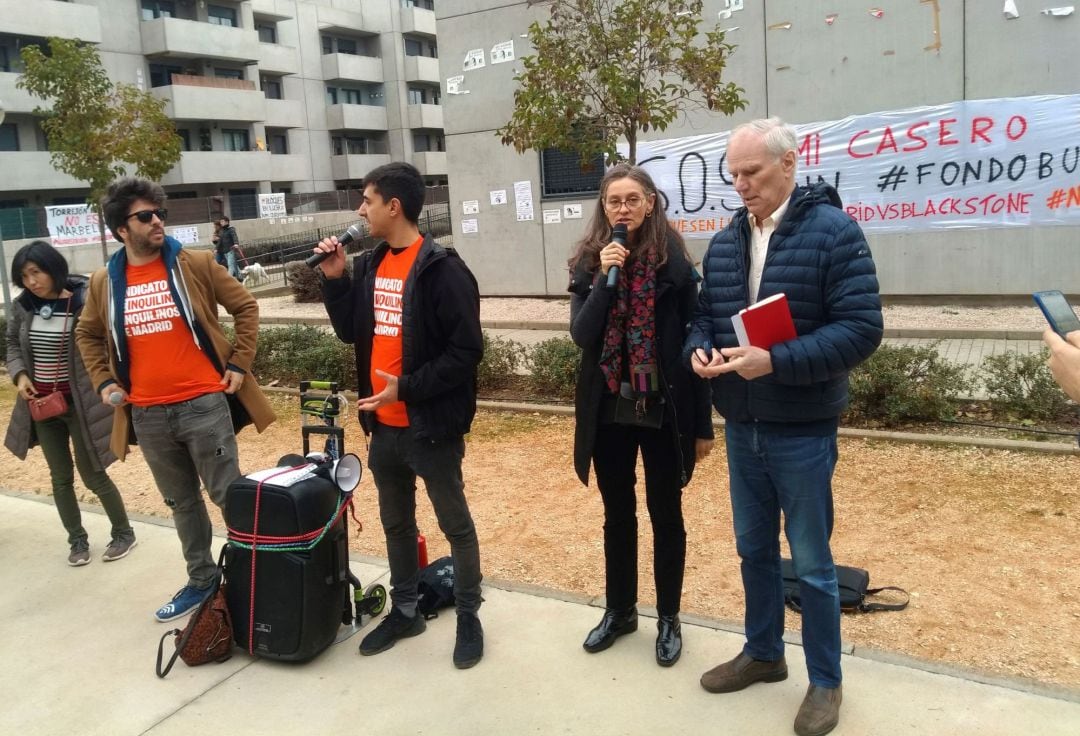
<point x="272" y="205"/>
<point x="523" y="202"/>
<point x="1010" y="162"/>
<point x="74" y="224"/>
<point x="188" y="235"/>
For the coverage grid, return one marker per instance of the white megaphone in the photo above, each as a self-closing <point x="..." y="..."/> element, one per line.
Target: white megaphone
<point x="346" y="472"/>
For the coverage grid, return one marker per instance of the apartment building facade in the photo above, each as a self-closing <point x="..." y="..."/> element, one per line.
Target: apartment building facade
<point x="268" y="96"/>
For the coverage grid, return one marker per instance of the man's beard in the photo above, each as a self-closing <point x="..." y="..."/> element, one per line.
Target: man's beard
<point x="144" y="246"/>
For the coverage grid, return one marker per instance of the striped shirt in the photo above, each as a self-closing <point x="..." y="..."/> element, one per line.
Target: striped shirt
<point x="50" y="346"/>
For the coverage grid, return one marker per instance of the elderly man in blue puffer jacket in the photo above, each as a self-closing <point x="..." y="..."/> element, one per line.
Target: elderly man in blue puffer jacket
<point x="782" y="405"/>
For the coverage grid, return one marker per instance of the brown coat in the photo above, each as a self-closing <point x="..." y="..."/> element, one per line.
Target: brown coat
<point x="205" y="285"/>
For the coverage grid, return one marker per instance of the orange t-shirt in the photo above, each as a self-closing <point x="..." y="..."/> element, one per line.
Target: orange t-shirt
<point x="386" y="341"/>
<point x="166" y="364"/>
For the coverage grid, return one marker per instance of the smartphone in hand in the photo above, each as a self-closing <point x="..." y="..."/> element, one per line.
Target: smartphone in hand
<point x="1059" y="313"/>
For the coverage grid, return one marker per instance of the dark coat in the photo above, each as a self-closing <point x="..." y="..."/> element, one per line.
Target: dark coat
<point x="687" y="396"/>
<point x="441" y="340"/>
<point x="819" y="258"/>
<point x="94" y="418"/>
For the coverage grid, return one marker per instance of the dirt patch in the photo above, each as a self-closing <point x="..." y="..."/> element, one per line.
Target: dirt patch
<point x="985" y="540"/>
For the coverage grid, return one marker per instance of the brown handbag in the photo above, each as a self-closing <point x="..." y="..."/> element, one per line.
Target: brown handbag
<point x="52" y="404"/>
<point x="208" y="636"/>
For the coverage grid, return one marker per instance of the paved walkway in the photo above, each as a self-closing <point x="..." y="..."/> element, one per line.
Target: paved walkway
<point x="78" y="645"/>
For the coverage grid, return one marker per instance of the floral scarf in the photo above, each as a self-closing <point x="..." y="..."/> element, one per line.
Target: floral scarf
<point x="633" y="318"/>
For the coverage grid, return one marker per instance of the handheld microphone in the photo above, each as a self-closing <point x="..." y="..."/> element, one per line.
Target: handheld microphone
<point x="116" y="398"/>
<point x="618" y="235"/>
<point x="344" y="239"/>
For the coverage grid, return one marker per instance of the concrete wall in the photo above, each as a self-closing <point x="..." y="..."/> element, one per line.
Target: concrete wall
<point x="919" y="53"/>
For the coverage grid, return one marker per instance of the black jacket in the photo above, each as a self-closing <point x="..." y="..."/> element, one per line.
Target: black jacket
<point x="687" y="396"/>
<point x="442" y="342"/>
<point x="819" y="258"/>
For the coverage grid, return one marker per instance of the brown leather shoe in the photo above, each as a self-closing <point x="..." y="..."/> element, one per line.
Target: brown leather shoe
<point x="741" y="672"/>
<point x="820" y="711"/>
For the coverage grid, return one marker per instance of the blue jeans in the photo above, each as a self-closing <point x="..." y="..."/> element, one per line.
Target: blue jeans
<point x="772" y="472"/>
<point x="230" y="263"/>
<point x="396" y="457"/>
<point x="187" y="445"/>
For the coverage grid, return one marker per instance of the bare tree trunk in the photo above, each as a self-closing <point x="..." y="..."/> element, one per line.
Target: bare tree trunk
<point x="101" y="234"/>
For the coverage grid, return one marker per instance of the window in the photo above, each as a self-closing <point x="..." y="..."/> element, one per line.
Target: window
<point x="279" y="142"/>
<point x="271" y="88"/>
<point x="349" y="145"/>
<point x="161" y="74"/>
<point x="423" y="96"/>
<point x="425" y="4"/>
<point x="219" y="15"/>
<point x="222" y="73"/>
<point x="331" y="96"/>
<point x="346" y="46"/>
<point x="327" y="45"/>
<point x="9" y="137"/>
<point x="413" y="47"/>
<point x="5" y="64"/>
<point x="352" y="96"/>
<point x="185" y="140"/>
<point x="235" y="140"/>
<point x="562" y="175"/>
<point x="267" y="32"/>
<point x="426" y="143"/>
<point x="158" y="9"/>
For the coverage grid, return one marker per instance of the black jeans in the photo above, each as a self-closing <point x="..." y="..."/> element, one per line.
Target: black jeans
<point x="615" y="462"/>
<point x="396" y="457"/>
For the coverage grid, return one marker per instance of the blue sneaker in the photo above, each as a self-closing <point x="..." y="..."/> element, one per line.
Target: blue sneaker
<point x="184" y="602"/>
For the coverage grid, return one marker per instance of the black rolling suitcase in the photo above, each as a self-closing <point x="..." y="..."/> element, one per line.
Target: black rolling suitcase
<point x="301" y="586"/>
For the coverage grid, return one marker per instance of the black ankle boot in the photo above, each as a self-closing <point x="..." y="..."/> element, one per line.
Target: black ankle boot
<point x="613" y="625"/>
<point x="668" y="640"/>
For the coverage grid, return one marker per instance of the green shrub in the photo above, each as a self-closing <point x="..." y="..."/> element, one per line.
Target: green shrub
<point x="899" y="384"/>
<point x="1022" y="386"/>
<point x="302" y="352"/>
<point x="554" y="366"/>
<point x="501" y="359"/>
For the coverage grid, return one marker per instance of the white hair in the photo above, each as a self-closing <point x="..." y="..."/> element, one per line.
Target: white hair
<point x="779" y="137"/>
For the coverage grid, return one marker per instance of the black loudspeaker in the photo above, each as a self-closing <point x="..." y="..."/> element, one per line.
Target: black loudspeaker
<point x="299" y="596"/>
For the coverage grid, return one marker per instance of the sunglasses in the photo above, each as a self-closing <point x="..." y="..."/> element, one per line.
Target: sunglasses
<point x="147" y="216"/>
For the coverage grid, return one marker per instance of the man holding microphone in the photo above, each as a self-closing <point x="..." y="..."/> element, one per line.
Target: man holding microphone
<point x="411" y="308"/>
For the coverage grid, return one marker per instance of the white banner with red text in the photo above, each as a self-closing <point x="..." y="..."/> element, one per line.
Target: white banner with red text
<point x="74" y="224"/>
<point x="1009" y="162"/>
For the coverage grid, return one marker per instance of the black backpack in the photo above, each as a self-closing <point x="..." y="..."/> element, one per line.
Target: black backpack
<point x="436" y="587"/>
<point x="854" y="585"/>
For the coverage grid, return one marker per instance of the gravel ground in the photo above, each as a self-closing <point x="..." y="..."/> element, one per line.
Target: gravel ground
<point x="945" y="316"/>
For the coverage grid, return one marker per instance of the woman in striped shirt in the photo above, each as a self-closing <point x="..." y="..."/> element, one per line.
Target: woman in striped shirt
<point x="41" y="358"/>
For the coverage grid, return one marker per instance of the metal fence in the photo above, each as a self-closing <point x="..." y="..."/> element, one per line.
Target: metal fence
<point x="17" y="223"/>
<point x="272" y="254"/>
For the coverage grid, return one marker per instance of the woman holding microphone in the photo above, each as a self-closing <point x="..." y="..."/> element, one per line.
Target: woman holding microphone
<point x="634" y="289"/>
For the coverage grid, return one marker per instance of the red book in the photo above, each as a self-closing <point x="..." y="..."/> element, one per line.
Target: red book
<point x="764" y="323"/>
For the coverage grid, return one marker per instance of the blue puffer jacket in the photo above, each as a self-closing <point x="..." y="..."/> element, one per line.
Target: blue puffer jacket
<point x="819" y="258"/>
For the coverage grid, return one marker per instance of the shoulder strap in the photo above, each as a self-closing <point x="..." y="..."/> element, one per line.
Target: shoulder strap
<point x="871" y="607"/>
<point x="190" y="628"/>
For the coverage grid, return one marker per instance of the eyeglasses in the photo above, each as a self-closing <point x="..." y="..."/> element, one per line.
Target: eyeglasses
<point x="632" y="203"/>
<point x="147" y="216"/>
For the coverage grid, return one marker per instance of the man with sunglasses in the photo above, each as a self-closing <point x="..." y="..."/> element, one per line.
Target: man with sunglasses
<point x="154" y="348"/>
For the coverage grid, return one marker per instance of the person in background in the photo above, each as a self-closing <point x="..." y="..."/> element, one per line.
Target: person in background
<point x="1065" y="360"/>
<point x="782" y="405"/>
<point x="631" y="336"/>
<point x="226" y="244"/>
<point x="411" y="308"/>
<point x="41" y="358"/>
<point x="156" y="351"/>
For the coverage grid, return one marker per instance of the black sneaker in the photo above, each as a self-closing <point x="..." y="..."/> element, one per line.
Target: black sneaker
<point x="469" y="648"/>
<point x="395" y="626"/>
